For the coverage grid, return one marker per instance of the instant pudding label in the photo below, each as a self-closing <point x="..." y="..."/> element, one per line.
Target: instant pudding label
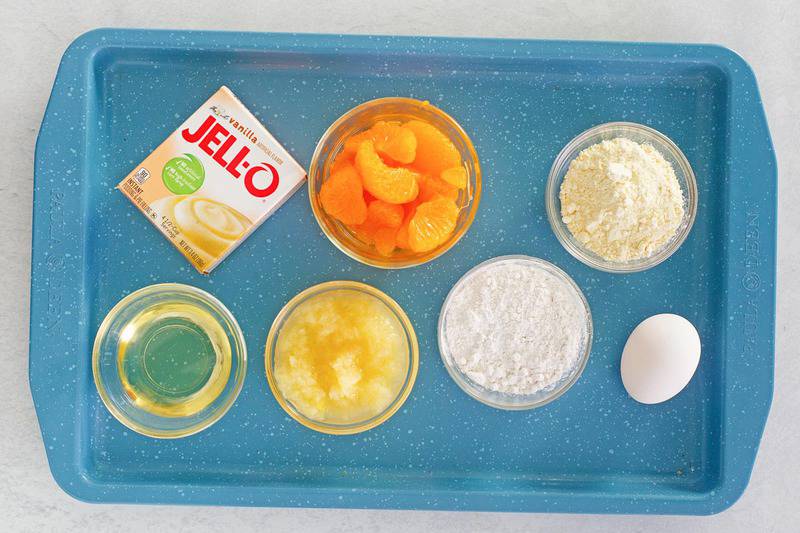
<point x="213" y="181"/>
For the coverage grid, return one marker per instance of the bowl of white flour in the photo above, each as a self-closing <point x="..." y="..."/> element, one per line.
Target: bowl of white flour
<point x="621" y="197"/>
<point x="515" y="332"/>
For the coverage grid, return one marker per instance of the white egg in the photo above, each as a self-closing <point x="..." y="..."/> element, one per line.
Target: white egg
<point x="660" y="358"/>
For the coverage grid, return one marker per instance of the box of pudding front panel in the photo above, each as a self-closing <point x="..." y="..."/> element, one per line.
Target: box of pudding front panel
<point x="213" y="180"/>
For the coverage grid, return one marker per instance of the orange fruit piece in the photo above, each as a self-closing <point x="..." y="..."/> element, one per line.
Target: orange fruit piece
<point x="384" y="239"/>
<point x="390" y="184"/>
<point x="342" y="196"/>
<point x="432" y="223"/>
<point x="375" y="220"/>
<point x="385" y="214"/>
<point x="435" y="151"/>
<point x="401" y="238"/>
<point x="372" y="232"/>
<point x="391" y="140"/>
<point x="431" y="186"/>
<point x="351" y="145"/>
<point x="341" y="162"/>
<point x="366" y="230"/>
<point x="397" y="143"/>
<point x="455" y="176"/>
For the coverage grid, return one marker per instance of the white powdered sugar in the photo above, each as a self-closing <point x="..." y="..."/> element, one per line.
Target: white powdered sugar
<point x="514" y="327"/>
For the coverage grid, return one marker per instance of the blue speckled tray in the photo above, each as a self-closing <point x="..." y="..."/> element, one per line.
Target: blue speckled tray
<point x="118" y="93"/>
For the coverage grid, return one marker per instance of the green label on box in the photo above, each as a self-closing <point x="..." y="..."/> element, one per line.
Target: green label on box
<point x="183" y="175"/>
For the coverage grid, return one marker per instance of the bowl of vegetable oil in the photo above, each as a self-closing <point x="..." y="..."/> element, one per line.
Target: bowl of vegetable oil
<point x="169" y="360"/>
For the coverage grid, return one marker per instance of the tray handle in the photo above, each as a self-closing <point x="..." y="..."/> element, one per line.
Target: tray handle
<point x="750" y="357"/>
<point x="59" y="364"/>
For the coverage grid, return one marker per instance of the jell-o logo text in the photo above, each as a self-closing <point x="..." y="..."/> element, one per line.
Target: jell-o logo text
<point x="217" y="141"/>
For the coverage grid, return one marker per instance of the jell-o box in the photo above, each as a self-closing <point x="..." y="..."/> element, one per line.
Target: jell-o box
<point x="213" y="181"/>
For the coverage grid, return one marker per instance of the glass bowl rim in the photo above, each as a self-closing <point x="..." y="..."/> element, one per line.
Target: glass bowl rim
<point x="470" y="387"/>
<point x="588" y="258"/>
<point x="403" y="393"/>
<point x="315" y="169"/>
<point x="238" y="354"/>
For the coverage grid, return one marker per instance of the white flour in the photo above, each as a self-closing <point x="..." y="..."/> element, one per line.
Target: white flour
<point x="514" y="328"/>
<point x="621" y="199"/>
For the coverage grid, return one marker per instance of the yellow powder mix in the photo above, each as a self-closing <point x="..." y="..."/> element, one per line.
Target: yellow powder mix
<point x="621" y="200"/>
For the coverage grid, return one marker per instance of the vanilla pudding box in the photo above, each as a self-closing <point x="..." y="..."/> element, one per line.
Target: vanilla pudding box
<point x="213" y="181"/>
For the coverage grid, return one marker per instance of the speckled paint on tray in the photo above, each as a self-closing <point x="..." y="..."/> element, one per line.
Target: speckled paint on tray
<point x="118" y="93"/>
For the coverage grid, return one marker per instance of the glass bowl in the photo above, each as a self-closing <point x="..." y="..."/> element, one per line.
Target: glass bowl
<point x="114" y="333"/>
<point x="360" y="118"/>
<point x="404" y="390"/>
<point x="516" y="402"/>
<point x="641" y="134"/>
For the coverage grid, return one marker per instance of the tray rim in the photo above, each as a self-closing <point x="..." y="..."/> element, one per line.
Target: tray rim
<point x="756" y="147"/>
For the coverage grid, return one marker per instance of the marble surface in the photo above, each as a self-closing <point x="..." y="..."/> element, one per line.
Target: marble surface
<point x="32" y="40"/>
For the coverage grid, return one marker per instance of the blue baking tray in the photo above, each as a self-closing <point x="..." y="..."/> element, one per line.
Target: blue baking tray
<point x="119" y="93"/>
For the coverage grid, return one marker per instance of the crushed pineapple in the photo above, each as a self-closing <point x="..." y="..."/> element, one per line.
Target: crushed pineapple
<point x="341" y="357"/>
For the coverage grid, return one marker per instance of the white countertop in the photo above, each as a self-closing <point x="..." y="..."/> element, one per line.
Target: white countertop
<point x="32" y="39"/>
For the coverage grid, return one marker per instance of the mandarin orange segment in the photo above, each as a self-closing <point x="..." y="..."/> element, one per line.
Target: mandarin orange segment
<point x="390" y="184"/>
<point x="435" y="151"/>
<point x="385" y="214"/>
<point x="409" y="209"/>
<point x="366" y="230"/>
<point x="397" y="143"/>
<point x="455" y="176"/>
<point x="431" y="186"/>
<point x="384" y="239"/>
<point x="433" y="222"/>
<point x="343" y="161"/>
<point x="391" y="140"/>
<point x="401" y="237"/>
<point x="342" y="196"/>
<point x="351" y="145"/>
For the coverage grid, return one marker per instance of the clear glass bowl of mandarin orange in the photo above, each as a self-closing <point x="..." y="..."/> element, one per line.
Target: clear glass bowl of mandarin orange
<point x="394" y="182"/>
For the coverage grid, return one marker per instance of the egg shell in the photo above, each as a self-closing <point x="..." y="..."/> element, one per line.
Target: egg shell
<point x="660" y="358"/>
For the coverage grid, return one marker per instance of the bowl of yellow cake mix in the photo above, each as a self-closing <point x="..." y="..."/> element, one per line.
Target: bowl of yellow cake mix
<point x="621" y="197"/>
<point x="341" y="357"/>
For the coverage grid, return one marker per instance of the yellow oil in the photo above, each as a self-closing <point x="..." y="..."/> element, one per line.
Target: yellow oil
<point x="341" y="357"/>
<point x="174" y="359"/>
